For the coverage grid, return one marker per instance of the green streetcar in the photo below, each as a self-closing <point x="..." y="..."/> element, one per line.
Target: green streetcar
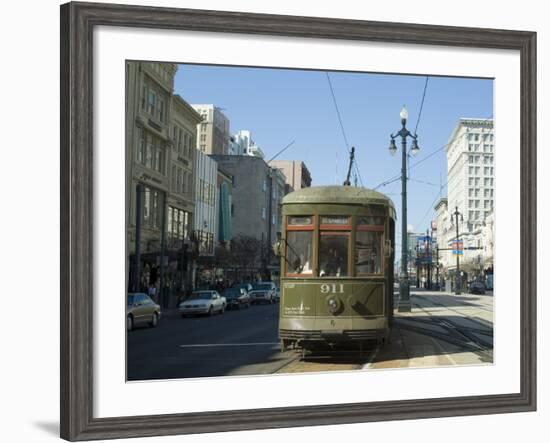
<point x="337" y="251"/>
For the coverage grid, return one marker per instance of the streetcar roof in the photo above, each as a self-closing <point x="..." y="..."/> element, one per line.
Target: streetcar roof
<point x="345" y="195"/>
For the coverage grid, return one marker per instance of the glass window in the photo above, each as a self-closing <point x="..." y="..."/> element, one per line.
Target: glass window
<point x="333" y="255"/>
<point x="368" y="255"/>
<point x="298" y="252"/>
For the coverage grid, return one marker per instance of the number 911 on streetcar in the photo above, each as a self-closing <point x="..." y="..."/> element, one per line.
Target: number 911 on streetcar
<point x="337" y="251"/>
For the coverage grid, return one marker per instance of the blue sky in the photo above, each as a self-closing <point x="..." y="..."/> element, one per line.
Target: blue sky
<point x="282" y="105"/>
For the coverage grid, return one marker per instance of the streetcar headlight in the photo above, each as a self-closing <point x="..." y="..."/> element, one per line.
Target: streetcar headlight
<point x="333" y="305"/>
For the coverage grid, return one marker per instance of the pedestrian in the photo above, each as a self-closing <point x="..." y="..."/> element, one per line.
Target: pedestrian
<point x="153" y="292"/>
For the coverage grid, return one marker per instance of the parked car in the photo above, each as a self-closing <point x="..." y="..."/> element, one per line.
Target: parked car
<point x="246" y="286"/>
<point x="140" y="310"/>
<point x="477" y="287"/>
<point x="263" y="292"/>
<point x="203" y="302"/>
<point x="277" y="294"/>
<point x="236" y="298"/>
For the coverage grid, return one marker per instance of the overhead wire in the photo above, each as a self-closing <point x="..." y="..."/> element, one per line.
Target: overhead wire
<point x="342" y="124"/>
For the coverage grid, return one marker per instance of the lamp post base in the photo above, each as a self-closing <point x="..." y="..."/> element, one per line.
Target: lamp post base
<point x="404" y="304"/>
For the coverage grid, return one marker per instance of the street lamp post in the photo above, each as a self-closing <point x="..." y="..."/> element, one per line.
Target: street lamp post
<point x="404" y="304"/>
<point x="458" y="283"/>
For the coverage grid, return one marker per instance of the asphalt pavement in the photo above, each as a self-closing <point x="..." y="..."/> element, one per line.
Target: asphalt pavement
<point x="239" y="342"/>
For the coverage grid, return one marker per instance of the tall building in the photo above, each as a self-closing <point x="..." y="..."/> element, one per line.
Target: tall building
<point x="225" y="200"/>
<point x="470" y="189"/>
<point x="149" y="88"/>
<point x="246" y="144"/>
<point x="181" y="198"/>
<point x="470" y="170"/>
<point x="256" y="197"/>
<point x="206" y="216"/>
<point x="296" y="173"/>
<point x="213" y="131"/>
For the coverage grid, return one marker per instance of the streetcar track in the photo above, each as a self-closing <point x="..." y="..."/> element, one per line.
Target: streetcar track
<point x="461" y="336"/>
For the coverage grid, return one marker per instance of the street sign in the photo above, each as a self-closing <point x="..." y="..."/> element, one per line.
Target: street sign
<point x="458" y="247"/>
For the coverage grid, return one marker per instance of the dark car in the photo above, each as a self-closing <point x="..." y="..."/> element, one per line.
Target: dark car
<point x="247" y="287"/>
<point x="236" y="297"/>
<point x="477" y="287"/>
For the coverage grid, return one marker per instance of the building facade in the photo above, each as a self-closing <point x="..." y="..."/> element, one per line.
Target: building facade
<point x="225" y="200"/>
<point x="471" y="184"/>
<point x="246" y="145"/>
<point x="296" y="173"/>
<point x="179" y="249"/>
<point x="213" y="131"/>
<point x="149" y="89"/>
<point x="470" y="170"/>
<point x="256" y="198"/>
<point x="206" y="216"/>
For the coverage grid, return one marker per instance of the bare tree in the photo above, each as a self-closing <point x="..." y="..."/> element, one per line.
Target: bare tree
<point x="245" y="252"/>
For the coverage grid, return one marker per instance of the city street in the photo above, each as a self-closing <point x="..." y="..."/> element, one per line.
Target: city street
<point x="239" y="342"/>
<point x="443" y="329"/>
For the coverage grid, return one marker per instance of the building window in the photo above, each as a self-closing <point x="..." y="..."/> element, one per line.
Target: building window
<point x="173" y="187"/>
<point x="152" y="201"/>
<point x="151" y="151"/>
<point x="486" y="170"/>
<point x="178" y="224"/>
<point x="203" y="148"/>
<point x="263" y="213"/>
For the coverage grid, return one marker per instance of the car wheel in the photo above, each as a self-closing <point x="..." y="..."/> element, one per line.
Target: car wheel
<point x="210" y="311"/>
<point x="155" y="320"/>
<point x="129" y="323"/>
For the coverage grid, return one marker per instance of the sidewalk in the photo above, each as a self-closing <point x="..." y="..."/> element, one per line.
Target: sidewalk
<point x="442" y="329"/>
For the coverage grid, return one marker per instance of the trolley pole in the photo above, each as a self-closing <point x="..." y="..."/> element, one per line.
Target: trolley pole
<point x="404" y="304"/>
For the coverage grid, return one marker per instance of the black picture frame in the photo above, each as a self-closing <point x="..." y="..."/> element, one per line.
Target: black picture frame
<point x="77" y="24"/>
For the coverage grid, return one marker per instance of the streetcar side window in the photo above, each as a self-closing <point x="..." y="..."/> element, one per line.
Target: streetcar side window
<point x="368" y="257"/>
<point x="368" y="245"/>
<point x="299" y="252"/>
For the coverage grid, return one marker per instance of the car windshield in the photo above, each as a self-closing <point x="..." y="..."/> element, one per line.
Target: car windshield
<point x="200" y="296"/>
<point x="131" y="299"/>
<point x="233" y="292"/>
<point x="261" y="286"/>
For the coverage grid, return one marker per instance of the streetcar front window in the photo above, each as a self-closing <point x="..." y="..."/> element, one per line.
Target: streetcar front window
<point x="299" y="257"/>
<point x="333" y="254"/>
<point x="368" y="257"/>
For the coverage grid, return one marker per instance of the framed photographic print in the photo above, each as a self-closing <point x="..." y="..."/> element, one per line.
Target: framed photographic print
<point x="313" y="221"/>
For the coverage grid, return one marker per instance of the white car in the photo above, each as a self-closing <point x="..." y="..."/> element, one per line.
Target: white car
<point x="263" y="292"/>
<point x="203" y="302"/>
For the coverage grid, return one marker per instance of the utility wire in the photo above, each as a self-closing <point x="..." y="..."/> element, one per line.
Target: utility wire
<point x="432" y="204"/>
<point x="341" y="124"/>
<point x="398" y="177"/>
<point x="421" y="104"/>
<point x="417" y="122"/>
